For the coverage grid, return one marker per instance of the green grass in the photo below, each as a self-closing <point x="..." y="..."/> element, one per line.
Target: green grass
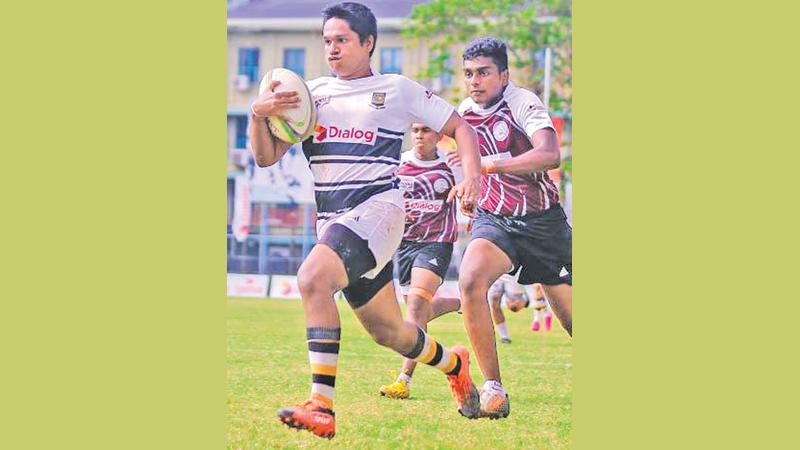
<point x="267" y="365"/>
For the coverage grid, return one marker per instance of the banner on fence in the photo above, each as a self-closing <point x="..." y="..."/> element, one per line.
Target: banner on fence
<point x="247" y="285"/>
<point x="284" y="286"/>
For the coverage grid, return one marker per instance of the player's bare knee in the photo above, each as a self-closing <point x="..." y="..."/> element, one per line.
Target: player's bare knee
<point x="472" y="287"/>
<point x="313" y="283"/>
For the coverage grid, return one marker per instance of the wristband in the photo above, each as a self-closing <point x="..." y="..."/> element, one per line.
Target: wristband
<point x="488" y="168"/>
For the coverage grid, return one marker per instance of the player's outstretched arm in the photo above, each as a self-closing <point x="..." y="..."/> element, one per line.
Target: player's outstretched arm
<point x="544" y="155"/>
<point x="469" y="189"/>
<point x="267" y="150"/>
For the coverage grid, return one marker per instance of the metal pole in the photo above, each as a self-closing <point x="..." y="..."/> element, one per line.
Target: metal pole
<point x="263" y="239"/>
<point x="547" y="68"/>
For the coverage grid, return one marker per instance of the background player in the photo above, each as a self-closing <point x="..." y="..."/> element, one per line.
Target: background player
<point x="426" y="178"/>
<point x="516" y="300"/>
<point x="353" y="156"/>
<point x="519" y="225"/>
<point x="541" y="308"/>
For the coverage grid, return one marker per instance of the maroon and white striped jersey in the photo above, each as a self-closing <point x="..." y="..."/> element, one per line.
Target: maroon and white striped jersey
<point x="425" y="185"/>
<point x="503" y="132"/>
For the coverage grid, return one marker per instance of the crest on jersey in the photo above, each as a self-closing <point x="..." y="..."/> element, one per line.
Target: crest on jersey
<point x="320" y="101"/>
<point x="500" y="131"/>
<point x="441" y="186"/>
<point x="378" y="100"/>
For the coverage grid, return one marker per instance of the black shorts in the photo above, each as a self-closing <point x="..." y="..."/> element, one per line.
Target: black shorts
<point x="358" y="260"/>
<point x="434" y="256"/>
<point x="539" y="244"/>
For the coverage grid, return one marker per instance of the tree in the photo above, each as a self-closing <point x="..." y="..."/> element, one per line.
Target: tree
<point x="526" y="26"/>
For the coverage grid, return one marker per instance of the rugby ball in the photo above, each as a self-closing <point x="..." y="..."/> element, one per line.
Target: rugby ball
<point x="298" y="123"/>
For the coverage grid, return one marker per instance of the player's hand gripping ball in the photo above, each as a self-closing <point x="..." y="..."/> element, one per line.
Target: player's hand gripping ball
<point x="294" y="124"/>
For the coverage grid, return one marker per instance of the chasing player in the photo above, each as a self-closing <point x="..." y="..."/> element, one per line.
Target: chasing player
<point x="353" y="155"/>
<point x="426" y="177"/>
<point x="519" y="225"/>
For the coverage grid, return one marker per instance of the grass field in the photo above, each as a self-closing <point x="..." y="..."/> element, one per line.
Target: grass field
<point x="267" y="365"/>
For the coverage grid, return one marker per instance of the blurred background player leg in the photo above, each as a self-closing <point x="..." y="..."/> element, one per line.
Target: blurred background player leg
<point x="548" y="316"/>
<point x="495" y="295"/>
<point x="541" y="309"/>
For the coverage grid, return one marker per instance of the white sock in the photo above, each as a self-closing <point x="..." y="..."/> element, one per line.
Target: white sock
<point x="501" y="328"/>
<point x="537" y="314"/>
<point x="405" y="377"/>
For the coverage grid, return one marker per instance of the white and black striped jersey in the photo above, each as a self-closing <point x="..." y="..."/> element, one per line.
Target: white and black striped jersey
<point x="354" y="151"/>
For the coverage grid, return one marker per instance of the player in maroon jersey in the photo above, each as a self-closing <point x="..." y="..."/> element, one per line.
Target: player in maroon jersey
<point x="426" y="176"/>
<point x="519" y="227"/>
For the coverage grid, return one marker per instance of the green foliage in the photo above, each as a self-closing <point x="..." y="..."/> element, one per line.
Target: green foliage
<point x="527" y="26"/>
<point x="267" y="365"/>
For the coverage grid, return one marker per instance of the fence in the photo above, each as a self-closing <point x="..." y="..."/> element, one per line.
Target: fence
<point x="280" y="237"/>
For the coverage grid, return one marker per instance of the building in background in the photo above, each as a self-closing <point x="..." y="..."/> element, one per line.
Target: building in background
<point x="264" y="34"/>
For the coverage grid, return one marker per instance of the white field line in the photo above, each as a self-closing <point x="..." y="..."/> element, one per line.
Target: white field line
<point x="233" y="352"/>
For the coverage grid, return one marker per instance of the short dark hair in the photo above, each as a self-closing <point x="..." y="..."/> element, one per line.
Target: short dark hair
<point x="488" y="46"/>
<point x="359" y="17"/>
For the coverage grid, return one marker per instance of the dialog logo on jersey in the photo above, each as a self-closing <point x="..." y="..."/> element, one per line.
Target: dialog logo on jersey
<point x="350" y="135"/>
<point x="425" y="206"/>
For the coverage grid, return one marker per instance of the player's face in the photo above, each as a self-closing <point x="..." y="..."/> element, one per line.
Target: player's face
<point x="346" y="56"/>
<point x="424" y="139"/>
<point x="483" y="80"/>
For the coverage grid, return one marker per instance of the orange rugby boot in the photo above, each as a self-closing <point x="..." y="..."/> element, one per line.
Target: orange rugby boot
<point x="310" y="415"/>
<point x="462" y="387"/>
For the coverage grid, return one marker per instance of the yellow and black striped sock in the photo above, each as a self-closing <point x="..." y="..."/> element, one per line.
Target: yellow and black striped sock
<point x="323" y="354"/>
<point x="432" y="353"/>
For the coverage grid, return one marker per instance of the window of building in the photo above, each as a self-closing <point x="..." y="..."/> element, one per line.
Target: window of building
<point x="248" y="62"/>
<point x="294" y="59"/>
<point x="241" y="131"/>
<point x="392" y="60"/>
